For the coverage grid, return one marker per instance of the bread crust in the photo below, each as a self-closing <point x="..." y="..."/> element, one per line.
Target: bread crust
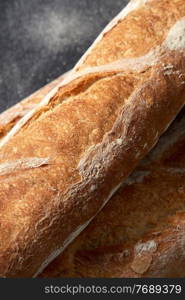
<point x="11" y="116"/>
<point x="140" y="232"/>
<point x="90" y="133"/>
<point x="153" y="247"/>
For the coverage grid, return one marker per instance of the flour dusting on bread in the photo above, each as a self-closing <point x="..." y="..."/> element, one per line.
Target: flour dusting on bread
<point x="176" y="36"/>
<point x="149" y="246"/>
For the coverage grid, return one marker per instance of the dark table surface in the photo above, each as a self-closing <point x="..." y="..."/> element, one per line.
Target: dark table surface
<point x="41" y="39"/>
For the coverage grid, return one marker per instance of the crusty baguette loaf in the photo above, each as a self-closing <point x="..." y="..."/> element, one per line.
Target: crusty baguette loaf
<point x="61" y="163"/>
<point x="140" y="232"/>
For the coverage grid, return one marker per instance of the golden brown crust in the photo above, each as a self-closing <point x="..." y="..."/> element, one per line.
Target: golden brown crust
<point x="140" y="232"/>
<point x="149" y="22"/>
<point x="12" y="115"/>
<point x="92" y="133"/>
<point x="144" y="205"/>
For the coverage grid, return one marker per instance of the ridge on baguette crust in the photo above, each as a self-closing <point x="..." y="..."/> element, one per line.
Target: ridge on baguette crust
<point x="22" y="164"/>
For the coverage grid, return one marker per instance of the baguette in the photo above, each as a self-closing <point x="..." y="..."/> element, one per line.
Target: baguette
<point x="146" y="214"/>
<point x="140" y="232"/>
<point x="62" y="161"/>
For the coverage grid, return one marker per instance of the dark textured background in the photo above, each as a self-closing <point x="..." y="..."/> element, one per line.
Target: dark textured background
<point x="41" y="39"/>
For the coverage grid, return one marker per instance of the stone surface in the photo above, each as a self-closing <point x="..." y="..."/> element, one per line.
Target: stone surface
<point x="41" y="39"/>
